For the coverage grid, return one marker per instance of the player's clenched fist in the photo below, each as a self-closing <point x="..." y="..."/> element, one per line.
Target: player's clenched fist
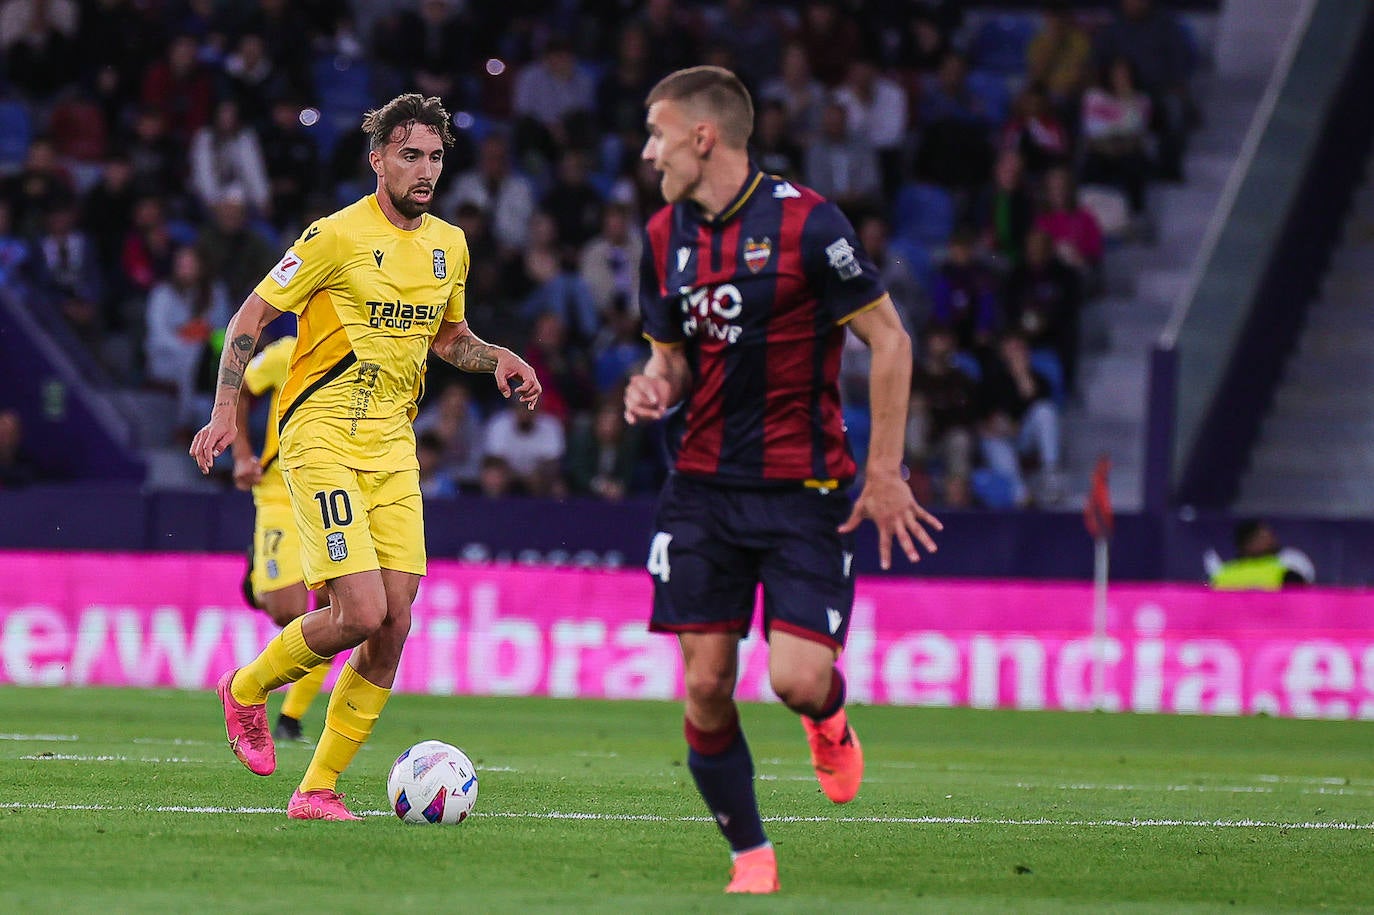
<point x="646" y="398"/>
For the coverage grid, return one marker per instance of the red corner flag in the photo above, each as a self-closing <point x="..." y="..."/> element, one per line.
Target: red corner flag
<point x="1097" y="514"/>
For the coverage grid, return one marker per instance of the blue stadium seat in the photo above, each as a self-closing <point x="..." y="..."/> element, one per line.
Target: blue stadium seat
<point x="968" y="363"/>
<point x="991" y="89"/>
<point x="342" y="83"/>
<point x="16" y="130"/>
<point x="923" y="213"/>
<point x="1046" y="362"/>
<point x="992" y="490"/>
<point x="917" y="257"/>
<point x="1000" y="44"/>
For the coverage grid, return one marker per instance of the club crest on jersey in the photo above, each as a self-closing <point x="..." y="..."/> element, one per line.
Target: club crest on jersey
<point x="440" y="265"/>
<point x="684" y="254"/>
<point x="337" y="546"/>
<point x="756" y="253"/>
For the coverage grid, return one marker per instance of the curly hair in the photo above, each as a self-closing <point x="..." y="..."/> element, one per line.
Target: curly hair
<point x="405" y="111"/>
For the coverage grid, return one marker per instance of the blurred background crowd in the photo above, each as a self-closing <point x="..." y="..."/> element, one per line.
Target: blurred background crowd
<point x="157" y="157"/>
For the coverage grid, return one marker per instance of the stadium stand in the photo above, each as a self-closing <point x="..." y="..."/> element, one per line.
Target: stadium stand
<point x="959" y="107"/>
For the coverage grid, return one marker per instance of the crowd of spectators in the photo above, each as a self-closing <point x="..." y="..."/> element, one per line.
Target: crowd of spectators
<point x="159" y="156"/>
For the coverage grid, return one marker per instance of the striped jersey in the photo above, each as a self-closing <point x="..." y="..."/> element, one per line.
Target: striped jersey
<point x="759" y="297"/>
<point x="369" y="299"/>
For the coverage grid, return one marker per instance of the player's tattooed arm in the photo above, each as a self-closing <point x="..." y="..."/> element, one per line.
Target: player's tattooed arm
<point x="469" y="353"/>
<point x="457" y="345"/>
<point x="233" y="362"/>
<point x="240" y="339"/>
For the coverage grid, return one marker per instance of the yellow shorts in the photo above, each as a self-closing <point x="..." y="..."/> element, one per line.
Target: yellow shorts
<point x="356" y="520"/>
<point x="276" y="545"/>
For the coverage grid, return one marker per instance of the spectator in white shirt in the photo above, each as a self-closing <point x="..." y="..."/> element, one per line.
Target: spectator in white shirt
<point x="547" y="92"/>
<point x="877" y="109"/>
<point x="493" y="186"/>
<point x="226" y="153"/>
<point x="841" y="165"/>
<point x="532" y="445"/>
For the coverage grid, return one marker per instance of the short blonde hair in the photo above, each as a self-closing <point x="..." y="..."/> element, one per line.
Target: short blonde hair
<point x="718" y="92"/>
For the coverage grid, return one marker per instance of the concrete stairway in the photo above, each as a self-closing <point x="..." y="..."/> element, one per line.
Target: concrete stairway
<point x="1315" y="455"/>
<point x="1144" y="282"/>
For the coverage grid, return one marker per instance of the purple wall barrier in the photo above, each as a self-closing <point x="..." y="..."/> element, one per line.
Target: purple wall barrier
<point x="177" y="620"/>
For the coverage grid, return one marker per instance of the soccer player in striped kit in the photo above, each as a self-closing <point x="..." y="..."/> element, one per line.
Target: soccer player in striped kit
<point x="748" y="285"/>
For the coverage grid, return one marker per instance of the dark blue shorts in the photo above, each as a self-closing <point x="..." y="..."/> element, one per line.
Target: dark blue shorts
<point x="715" y="545"/>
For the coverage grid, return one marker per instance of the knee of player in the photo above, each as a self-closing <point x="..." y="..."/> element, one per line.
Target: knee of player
<point x="283" y="611"/>
<point x="801" y="687"/>
<point x="360" y="623"/>
<point x="709" y="684"/>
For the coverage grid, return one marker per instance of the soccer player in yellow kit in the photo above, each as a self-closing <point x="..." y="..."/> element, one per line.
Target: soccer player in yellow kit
<point x="374" y="286"/>
<point x="276" y="584"/>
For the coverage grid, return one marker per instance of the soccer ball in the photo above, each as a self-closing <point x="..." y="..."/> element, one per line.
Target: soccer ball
<point x="432" y="782"/>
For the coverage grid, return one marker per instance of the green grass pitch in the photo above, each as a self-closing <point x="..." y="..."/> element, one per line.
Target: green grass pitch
<point x="587" y="806"/>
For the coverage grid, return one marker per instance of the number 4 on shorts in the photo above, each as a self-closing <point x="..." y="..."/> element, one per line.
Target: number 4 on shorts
<point x="658" y="556"/>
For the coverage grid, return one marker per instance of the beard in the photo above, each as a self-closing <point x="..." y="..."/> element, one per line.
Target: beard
<point x="408" y="207"/>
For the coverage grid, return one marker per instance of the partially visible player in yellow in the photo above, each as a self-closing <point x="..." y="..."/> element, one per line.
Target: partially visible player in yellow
<point x="375" y="286"/>
<point x="276" y="584"/>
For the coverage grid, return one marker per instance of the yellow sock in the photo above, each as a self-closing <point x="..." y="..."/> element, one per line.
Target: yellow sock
<point x="303" y="692"/>
<point x="353" y="710"/>
<point x="285" y="660"/>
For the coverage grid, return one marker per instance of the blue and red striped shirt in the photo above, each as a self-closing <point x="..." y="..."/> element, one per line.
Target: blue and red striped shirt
<point x="759" y="296"/>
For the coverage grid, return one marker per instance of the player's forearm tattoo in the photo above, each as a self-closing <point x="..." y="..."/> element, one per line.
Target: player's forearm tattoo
<point x="233" y="362"/>
<point x="471" y="355"/>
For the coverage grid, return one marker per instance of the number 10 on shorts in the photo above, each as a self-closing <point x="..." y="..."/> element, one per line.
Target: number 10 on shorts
<point x="335" y="509"/>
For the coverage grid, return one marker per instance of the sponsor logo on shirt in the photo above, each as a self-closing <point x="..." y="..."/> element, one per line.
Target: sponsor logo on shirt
<point x="784" y="189"/>
<point x="401" y="315"/>
<point x="710" y="311"/>
<point x="286" y="268"/>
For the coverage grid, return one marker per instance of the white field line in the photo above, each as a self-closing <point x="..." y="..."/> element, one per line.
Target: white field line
<point x="39" y="738"/>
<point x="76" y="757"/>
<point x="653" y="818"/>
<point x="1323" y="788"/>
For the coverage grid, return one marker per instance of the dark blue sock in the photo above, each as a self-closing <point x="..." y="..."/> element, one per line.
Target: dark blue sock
<point x="724" y="773"/>
<point x="834" y="701"/>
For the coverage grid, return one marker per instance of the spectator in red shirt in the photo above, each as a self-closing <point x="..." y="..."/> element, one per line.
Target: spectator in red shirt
<point x="1077" y="236"/>
<point x="179" y="87"/>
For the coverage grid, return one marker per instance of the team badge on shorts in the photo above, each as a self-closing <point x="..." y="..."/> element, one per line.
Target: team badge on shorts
<point x="440" y="264"/>
<point x="272" y="570"/>
<point x="338" y="548"/>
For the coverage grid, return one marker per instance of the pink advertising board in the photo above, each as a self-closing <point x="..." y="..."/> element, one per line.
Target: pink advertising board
<point x="178" y="620"/>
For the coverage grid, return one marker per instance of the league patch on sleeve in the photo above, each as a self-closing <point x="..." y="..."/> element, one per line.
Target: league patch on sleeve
<point x="286" y="268"/>
<point x="842" y="260"/>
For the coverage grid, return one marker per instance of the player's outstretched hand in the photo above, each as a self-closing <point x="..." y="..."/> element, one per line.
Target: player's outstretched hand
<point x="514" y="374"/>
<point x="887" y="500"/>
<point x="646" y="398"/>
<point x="212" y="439"/>
<point x="247" y="472"/>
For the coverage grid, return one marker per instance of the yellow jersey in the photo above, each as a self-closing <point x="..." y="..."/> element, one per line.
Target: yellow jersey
<point x="267" y="372"/>
<point x="369" y="299"/>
